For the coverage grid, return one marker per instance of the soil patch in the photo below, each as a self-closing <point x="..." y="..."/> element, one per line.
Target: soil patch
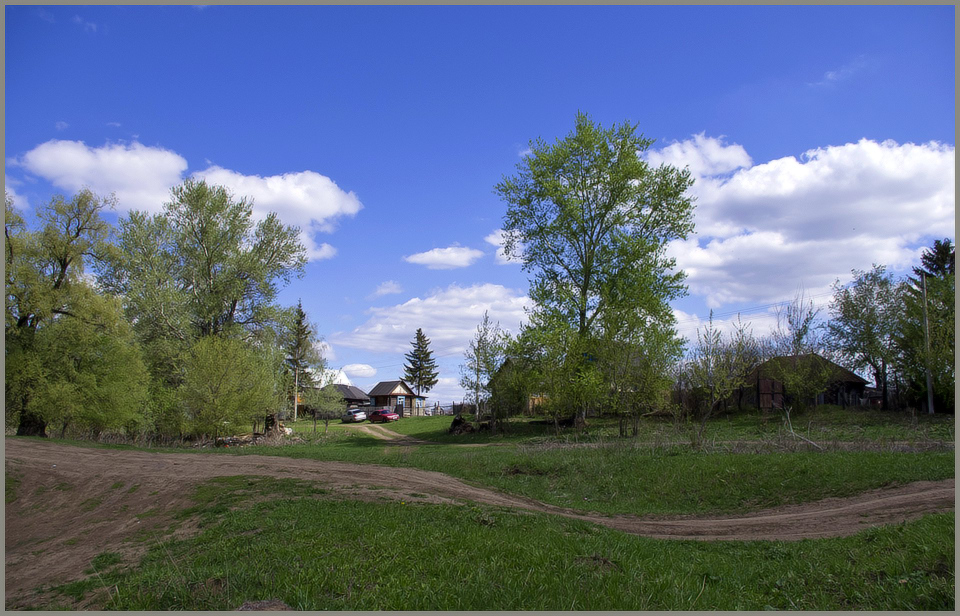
<point x="73" y="503"/>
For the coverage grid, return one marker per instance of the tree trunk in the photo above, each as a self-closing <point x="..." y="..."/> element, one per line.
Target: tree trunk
<point x="31" y="425"/>
<point x="883" y="388"/>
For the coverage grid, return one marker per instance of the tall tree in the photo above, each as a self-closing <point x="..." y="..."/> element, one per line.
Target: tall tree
<point x="912" y="355"/>
<point x="203" y="266"/>
<point x="44" y="283"/>
<point x="863" y="322"/>
<point x="302" y="360"/>
<point x="589" y="217"/>
<point x="421" y="368"/>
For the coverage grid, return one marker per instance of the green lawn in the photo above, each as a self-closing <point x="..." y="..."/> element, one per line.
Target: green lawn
<point x="315" y="553"/>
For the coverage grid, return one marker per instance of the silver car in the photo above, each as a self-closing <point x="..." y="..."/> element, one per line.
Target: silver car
<point x="353" y="415"/>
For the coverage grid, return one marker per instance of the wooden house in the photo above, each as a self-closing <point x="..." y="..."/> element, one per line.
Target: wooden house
<point x="763" y="391"/>
<point x="398" y="397"/>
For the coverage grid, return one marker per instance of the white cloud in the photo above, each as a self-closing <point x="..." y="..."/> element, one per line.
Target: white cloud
<point x="326" y="351"/>
<point x="445" y="258"/>
<point x="9" y="186"/>
<point x="704" y="155"/>
<point x="390" y="287"/>
<point x="446" y="390"/>
<point x="448" y="317"/>
<point x="113" y="124"/>
<point x="139" y="176"/>
<point x="307" y="199"/>
<point x="61" y="125"/>
<point x="363" y="371"/>
<point x="763" y="230"/>
<point x="497" y="239"/>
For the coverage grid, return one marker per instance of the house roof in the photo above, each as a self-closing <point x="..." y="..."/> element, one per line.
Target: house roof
<point x="349" y="392"/>
<point x="385" y="388"/>
<point x="840" y="373"/>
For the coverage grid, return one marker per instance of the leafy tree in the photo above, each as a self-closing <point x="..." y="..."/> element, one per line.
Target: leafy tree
<point x="636" y="356"/>
<point x="420" y="371"/>
<point x="483" y="356"/>
<point x="43" y="283"/>
<point x="226" y="386"/>
<point x="91" y="374"/>
<point x="589" y="217"/>
<point x="203" y="267"/>
<point x="863" y="322"/>
<point x="325" y="403"/>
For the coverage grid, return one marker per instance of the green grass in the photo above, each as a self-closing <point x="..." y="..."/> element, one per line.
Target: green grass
<point x="285" y="540"/>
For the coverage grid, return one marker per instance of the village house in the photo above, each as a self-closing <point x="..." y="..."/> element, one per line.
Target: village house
<point x="764" y="392"/>
<point x="398" y="397"/>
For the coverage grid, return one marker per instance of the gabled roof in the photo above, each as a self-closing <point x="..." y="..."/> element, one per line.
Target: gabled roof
<point x="839" y="372"/>
<point x="349" y="392"/>
<point x="385" y="388"/>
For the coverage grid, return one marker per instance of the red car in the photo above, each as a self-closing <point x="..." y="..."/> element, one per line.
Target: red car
<point x="383" y="416"/>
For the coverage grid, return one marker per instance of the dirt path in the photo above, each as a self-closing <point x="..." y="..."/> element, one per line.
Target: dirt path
<point x="74" y="503"/>
<point x="395" y="438"/>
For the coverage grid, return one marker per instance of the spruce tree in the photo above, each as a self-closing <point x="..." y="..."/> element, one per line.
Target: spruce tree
<point x="301" y="353"/>
<point x="420" y="371"/>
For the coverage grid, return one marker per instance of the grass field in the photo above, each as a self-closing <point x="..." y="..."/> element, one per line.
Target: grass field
<point x="279" y="538"/>
<point x="300" y="546"/>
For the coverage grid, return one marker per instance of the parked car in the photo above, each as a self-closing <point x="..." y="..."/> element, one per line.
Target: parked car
<point x="353" y="415"/>
<point x="383" y="416"/>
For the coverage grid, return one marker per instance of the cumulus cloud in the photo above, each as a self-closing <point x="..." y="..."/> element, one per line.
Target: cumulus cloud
<point x="363" y="371"/>
<point x="765" y="229"/>
<point x="390" y="287"/>
<point x="445" y="258"/>
<point x="497" y="239"/>
<point x="141" y="178"/>
<point x="704" y="155"/>
<point x="449" y="317"/>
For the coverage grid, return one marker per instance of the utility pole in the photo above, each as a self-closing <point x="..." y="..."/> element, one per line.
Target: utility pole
<point x="926" y="344"/>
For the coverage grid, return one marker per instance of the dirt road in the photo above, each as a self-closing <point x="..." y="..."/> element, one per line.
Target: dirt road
<point x="74" y="503"/>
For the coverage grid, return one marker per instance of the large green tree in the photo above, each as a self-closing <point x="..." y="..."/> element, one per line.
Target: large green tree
<point x="44" y="286"/>
<point x="589" y="218"/>
<point x="420" y="370"/>
<point x="203" y="266"/>
<point x="863" y="320"/>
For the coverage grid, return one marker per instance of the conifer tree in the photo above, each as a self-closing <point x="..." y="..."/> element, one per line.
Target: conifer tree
<point x="420" y="371"/>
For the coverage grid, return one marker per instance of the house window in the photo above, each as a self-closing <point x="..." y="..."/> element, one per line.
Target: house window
<point x="401" y="400"/>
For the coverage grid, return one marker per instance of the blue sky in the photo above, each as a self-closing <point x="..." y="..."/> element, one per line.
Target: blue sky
<point x="822" y="140"/>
